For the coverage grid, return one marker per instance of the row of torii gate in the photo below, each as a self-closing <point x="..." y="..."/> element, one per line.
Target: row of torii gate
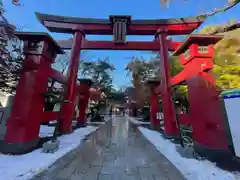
<point x="196" y="55"/>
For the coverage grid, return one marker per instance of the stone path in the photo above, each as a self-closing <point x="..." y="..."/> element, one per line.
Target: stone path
<point x="116" y="151"/>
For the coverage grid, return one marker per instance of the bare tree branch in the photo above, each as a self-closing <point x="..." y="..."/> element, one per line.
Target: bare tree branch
<point x="231" y="4"/>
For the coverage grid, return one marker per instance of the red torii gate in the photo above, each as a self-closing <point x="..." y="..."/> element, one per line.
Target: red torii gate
<point x="119" y="27"/>
<point x="21" y="135"/>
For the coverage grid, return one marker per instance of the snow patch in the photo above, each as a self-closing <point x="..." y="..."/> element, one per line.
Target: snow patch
<point x="24" y="167"/>
<point x="192" y="169"/>
<point x="97" y="123"/>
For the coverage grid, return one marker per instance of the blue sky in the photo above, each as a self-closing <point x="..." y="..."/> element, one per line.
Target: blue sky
<point x="139" y="9"/>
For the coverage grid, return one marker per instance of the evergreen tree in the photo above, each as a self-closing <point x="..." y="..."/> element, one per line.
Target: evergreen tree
<point x="10" y="55"/>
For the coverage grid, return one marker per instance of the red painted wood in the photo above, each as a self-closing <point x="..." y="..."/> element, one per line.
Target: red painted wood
<point x="192" y="69"/>
<point x="206" y="113"/>
<point x="68" y="108"/>
<point x="133" y="29"/>
<point x="83" y="102"/>
<point x="27" y="111"/>
<point x="56" y="75"/>
<point x="109" y="45"/>
<point x="170" y="125"/>
<point x="172" y="29"/>
<point x="185" y="119"/>
<point x="49" y="116"/>
<point x="197" y="40"/>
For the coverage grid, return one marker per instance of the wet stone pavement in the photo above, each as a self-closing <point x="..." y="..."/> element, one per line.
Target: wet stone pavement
<point x="116" y="151"/>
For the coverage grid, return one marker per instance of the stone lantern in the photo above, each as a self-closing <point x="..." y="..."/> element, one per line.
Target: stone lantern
<point x="205" y="109"/>
<point x="84" y="95"/>
<point x="152" y="83"/>
<point x="40" y="51"/>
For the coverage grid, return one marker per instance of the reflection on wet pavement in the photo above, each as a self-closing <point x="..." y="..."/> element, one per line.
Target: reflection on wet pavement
<point x="116" y="151"/>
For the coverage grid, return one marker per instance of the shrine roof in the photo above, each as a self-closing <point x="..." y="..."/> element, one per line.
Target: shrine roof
<point x="39" y="36"/>
<point x="97" y="21"/>
<point x="201" y="39"/>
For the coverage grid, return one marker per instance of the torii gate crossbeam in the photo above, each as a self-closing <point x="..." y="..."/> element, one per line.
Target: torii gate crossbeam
<point x="109" y="45"/>
<point x="63" y="24"/>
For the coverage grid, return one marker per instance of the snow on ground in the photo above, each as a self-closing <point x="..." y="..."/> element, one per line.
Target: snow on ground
<point x="25" y="166"/>
<point x="96" y="123"/>
<point x="192" y="169"/>
<point x="136" y="122"/>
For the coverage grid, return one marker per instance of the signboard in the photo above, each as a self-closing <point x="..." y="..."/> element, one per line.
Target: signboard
<point x="160" y="115"/>
<point x="232" y="104"/>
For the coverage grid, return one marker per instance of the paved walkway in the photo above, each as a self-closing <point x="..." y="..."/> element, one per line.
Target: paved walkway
<point x="115" y="152"/>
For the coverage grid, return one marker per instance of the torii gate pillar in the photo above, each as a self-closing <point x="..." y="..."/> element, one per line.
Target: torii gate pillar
<point x="170" y="125"/>
<point x="68" y="109"/>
